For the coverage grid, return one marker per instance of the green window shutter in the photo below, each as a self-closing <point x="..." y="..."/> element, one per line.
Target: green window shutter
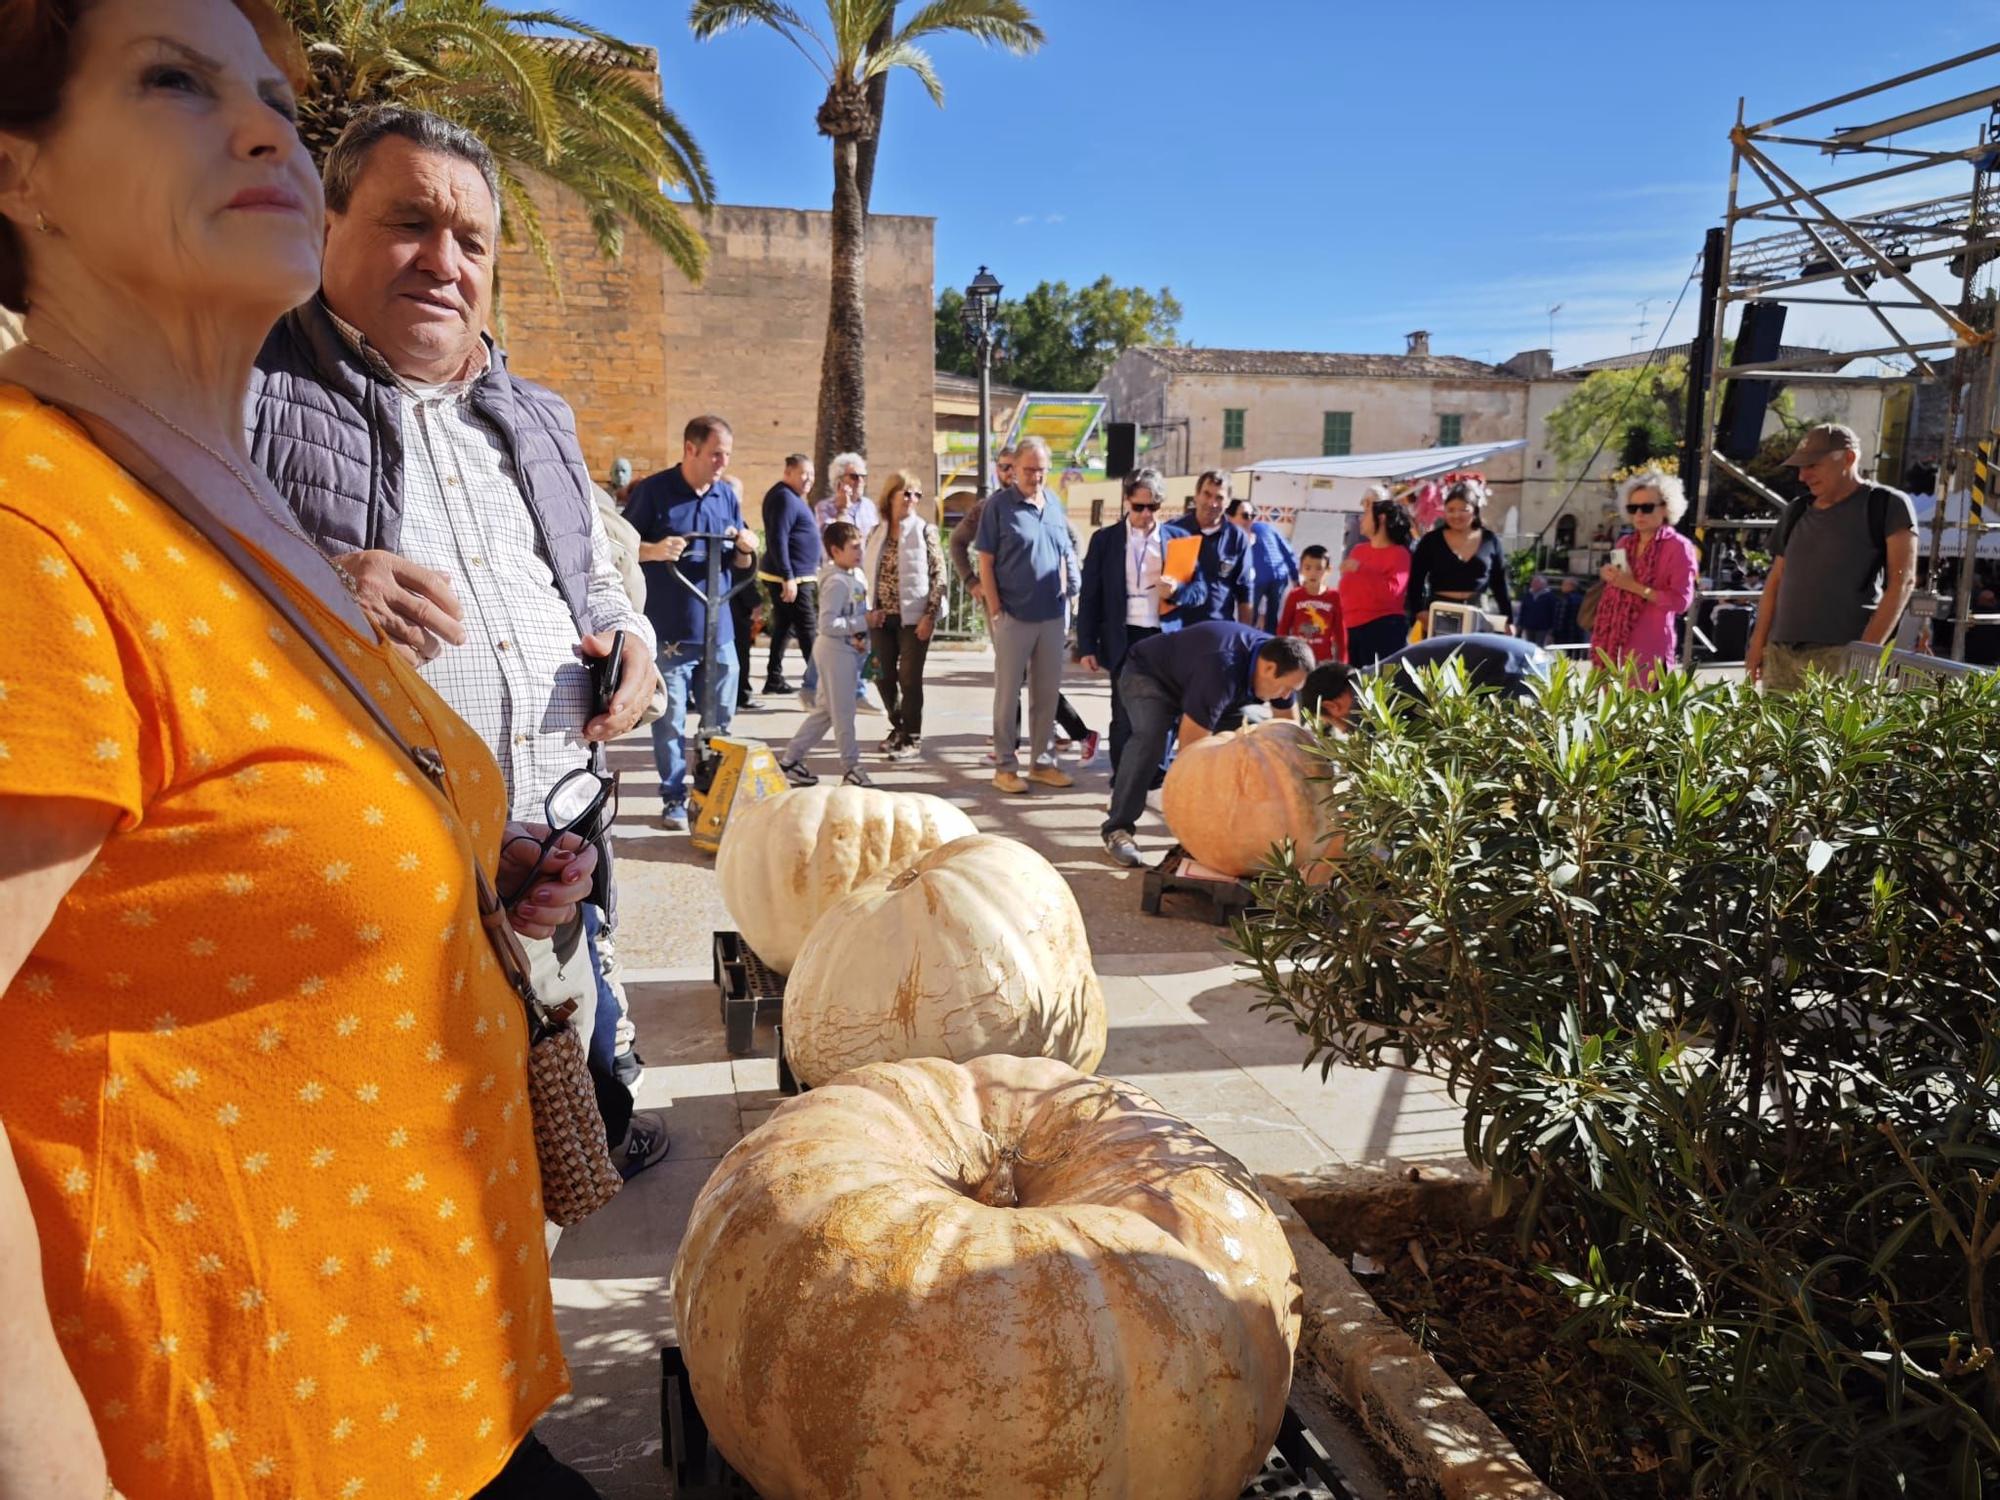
<point x="1232" y="427"/>
<point x="1451" y="429"/>
<point x="1336" y="439"/>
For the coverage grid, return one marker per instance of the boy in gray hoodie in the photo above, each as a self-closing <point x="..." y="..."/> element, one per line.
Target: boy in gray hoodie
<point x="838" y="653"/>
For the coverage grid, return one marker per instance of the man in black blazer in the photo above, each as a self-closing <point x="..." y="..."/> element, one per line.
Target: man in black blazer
<point x="1119" y="603"/>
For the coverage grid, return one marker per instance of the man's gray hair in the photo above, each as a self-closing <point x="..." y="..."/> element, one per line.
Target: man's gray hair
<point x="344" y="163"/>
<point x="1032" y="442"/>
<point x="1666" y="486"/>
<point x="1146" y="479"/>
<point x="837" y="470"/>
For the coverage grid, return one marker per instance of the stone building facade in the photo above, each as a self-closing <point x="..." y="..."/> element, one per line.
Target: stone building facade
<point x="637" y="349"/>
<point x="1230" y="408"/>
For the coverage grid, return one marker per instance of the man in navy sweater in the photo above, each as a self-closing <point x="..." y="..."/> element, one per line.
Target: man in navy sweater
<point x="790" y="573"/>
<point x="1188" y="685"/>
<point x="1220" y="588"/>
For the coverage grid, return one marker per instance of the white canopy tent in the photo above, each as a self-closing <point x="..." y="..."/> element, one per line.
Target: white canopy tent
<point x="1952" y="544"/>
<point x="1315" y="499"/>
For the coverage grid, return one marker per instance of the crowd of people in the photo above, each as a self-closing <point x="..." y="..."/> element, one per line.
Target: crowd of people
<point x="322" y="628"/>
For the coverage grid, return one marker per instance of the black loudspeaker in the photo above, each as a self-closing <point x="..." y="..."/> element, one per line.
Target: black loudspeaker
<point x="1121" y="449"/>
<point x="1739" y="431"/>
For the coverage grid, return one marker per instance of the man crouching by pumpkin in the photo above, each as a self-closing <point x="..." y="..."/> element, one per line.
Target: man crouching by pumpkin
<point x="1193" y="683"/>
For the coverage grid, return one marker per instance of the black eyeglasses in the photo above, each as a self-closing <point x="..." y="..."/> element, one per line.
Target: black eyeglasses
<point x="1642" y="508"/>
<point x="1142" y="505"/>
<point x="584" y="803"/>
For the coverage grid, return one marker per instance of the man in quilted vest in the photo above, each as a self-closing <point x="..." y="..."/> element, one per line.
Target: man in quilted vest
<point x="452" y="494"/>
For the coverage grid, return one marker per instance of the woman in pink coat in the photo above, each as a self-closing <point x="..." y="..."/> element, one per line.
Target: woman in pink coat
<point x="1638" y="617"/>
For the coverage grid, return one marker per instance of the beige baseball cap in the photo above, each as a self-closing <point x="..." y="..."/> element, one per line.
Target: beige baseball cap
<point x="1823" y="441"/>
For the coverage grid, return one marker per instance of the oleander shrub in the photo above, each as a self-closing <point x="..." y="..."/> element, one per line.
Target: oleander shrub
<point x="1716" y="979"/>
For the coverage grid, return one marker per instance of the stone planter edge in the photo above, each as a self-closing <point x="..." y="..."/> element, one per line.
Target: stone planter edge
<point x="1353" y="1354"/>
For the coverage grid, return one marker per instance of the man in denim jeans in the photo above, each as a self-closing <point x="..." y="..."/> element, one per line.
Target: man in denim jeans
<point x="668" y="510"/>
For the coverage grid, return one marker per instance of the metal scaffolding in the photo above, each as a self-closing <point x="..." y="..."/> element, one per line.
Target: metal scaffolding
<point x="1830" y="244"/>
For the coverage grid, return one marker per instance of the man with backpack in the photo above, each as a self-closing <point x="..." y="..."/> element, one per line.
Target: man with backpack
<point x="1844" y="564"/>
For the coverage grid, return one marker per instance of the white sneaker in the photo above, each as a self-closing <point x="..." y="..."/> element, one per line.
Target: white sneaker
<point x="1122" y="847"/>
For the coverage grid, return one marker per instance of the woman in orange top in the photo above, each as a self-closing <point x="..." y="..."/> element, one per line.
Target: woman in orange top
<point x="266" y="1084"/>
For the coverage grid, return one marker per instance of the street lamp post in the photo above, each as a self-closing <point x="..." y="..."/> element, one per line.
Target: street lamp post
<point x="982" y="303"/>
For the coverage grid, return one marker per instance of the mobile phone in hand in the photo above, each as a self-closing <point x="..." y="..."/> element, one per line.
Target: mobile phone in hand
<point x="606" y="672"/>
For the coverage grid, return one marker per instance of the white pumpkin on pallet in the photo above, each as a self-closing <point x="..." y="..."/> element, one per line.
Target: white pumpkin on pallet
<point x="788" y="858"/>
<point x="1004" y="1279"/>
<point x="977" y="947"/>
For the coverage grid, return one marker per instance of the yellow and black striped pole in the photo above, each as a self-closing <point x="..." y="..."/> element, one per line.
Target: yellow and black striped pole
<point x="1982" y="477"/>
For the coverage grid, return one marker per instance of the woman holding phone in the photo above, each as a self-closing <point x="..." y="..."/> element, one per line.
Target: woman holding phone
<point x="1649" y="582"/>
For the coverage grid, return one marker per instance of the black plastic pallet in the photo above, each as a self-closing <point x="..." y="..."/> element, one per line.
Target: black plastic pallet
<point x="1299" y="1467"/>
<point x="1216" y="901"/>
<point x="750" y="991"/>
<point x="788" y="1082"/>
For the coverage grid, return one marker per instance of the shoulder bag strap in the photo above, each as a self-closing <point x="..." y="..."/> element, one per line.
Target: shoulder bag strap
<point x="129" y="456"/>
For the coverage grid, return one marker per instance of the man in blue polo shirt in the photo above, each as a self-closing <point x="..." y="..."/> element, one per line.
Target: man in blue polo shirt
<point x="1190" y="682"/>
<point x="1027" y="573"/>
<point x="665" y="510"/>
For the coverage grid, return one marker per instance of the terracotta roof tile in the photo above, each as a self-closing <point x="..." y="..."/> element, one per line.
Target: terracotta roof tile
<point x="1186" y="361"/>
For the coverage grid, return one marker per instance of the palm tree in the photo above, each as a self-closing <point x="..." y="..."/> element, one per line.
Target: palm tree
<point x="550" y="95"/>
<point x="855" y="54"/>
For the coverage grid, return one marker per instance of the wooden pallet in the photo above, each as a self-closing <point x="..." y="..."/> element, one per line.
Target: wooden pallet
<point x="749" y="990"/>
<point x="1299" y="1466"/>
<point x="1215" y="901"/>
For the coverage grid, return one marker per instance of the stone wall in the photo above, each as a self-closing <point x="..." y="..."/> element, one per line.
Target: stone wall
<point x="747" y="342"/>
<point x="637" y="349"/>
<point x="599" y="342"/>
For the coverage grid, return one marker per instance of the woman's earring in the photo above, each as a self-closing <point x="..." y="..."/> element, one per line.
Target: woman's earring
<point x="42" y="222"/>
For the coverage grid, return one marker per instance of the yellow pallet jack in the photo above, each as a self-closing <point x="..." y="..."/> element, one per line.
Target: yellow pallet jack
<point x="727" y="772"/>
<point x="732" y="773"/>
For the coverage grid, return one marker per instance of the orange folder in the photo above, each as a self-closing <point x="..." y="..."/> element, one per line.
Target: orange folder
<point x="1182" y="558"/>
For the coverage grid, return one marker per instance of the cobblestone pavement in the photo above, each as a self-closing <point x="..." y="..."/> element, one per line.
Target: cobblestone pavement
<point x="1181" y="1028"/>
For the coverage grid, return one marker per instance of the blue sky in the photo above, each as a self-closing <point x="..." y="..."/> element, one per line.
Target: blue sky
<point x="1321" y="174"/>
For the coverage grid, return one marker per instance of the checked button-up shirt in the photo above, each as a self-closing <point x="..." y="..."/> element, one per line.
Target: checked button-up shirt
<point x="517" y="680"/>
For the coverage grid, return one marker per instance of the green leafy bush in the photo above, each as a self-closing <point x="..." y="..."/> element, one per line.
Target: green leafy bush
<point x="1716" y="978"/>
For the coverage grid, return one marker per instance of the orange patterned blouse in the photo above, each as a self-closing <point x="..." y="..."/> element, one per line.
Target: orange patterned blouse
<point x="265" y="1082"/>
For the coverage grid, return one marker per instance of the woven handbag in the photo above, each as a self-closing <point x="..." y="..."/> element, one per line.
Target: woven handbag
<point x="578" y="1175"/>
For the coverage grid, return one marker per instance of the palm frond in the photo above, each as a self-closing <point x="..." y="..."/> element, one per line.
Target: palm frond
<point x="710" y="18"/>
<point x="580" y="119"/>
<point x="900" y="54"/>
<point x="998" y="23"/>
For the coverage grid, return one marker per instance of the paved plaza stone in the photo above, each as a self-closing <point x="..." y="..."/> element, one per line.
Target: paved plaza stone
<point x="1181" y="1028"/>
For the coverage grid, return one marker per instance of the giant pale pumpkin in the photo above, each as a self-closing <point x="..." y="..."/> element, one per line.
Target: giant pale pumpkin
<point x="977" y="947"/>
<point x="1230" y="797"/>
<point x="788" y="858"/>
<point x="1004" y="1279"/>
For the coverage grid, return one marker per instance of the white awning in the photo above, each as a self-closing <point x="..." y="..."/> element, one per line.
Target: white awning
<point x="1407" y="463"/>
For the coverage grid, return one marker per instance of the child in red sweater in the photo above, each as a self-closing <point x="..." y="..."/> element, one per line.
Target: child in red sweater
<point x="1312" y="610"/>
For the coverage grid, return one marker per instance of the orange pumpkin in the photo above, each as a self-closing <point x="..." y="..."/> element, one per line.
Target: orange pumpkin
<point x="1230" y="797"/>
<point x="1002" y="1279"/>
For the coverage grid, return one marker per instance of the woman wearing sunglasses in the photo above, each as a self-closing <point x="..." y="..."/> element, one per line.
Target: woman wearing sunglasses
<point x="1649" y="582"/>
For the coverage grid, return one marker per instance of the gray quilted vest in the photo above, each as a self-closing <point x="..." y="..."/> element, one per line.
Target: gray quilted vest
<point x="328" y="431"/>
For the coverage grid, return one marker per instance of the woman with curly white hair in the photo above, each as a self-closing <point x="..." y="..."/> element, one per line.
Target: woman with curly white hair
<point x="1649" y="582"/>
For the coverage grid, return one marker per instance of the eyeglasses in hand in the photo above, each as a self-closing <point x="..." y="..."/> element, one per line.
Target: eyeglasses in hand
<point x="584" y="803"/>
